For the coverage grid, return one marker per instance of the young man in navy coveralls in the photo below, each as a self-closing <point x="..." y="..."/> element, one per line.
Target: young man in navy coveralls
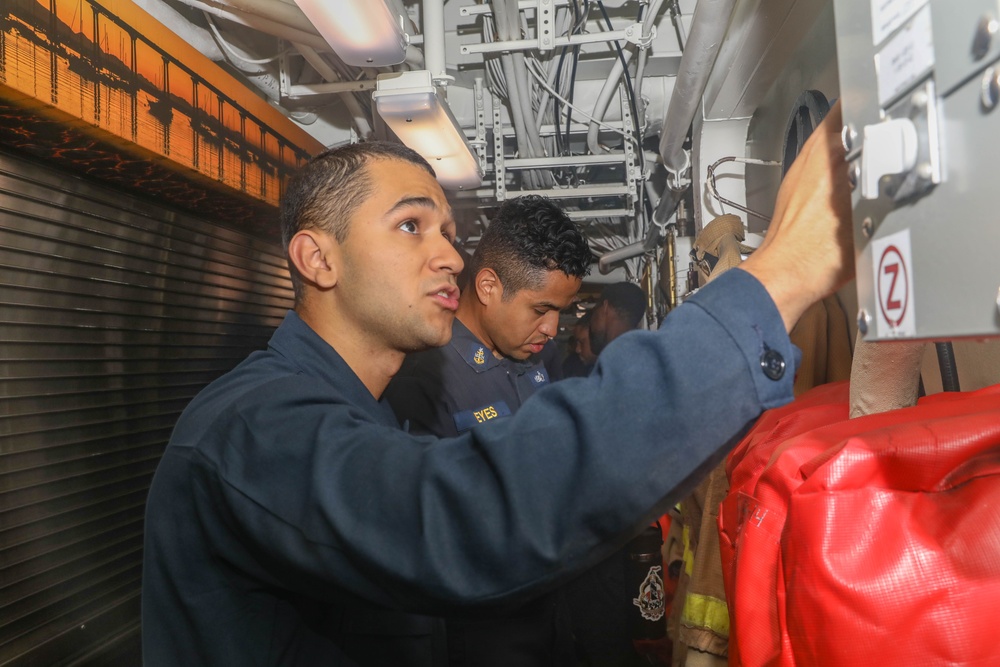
<point x="528" y="266"/>
<point x="289" y="505"/>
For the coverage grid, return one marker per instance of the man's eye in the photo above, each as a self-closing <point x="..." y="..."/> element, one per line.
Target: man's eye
<point x="410" y="227"/>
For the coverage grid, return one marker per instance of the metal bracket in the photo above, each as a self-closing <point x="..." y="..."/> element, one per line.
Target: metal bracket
<point x="480" y="143"/>
<point x="631" y="34"/>
<point x="633" y="172"/>
<point x="544" y="20"/>
<point x="284" y="80"/>
<point x="499" y="172"/>
<point x="485" y="8"/>
<point x="330" y="88"/>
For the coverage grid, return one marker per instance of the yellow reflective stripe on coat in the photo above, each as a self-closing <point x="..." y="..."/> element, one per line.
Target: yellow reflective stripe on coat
<point x="703" y="611"/>
<point x="688" y="554"/>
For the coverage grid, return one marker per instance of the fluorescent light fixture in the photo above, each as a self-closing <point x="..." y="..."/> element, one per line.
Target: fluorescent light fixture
<point x="364" y="33"/>
<point x="409" y="103"/>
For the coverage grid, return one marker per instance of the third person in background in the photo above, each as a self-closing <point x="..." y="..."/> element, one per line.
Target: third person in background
<point x="580" y="360"/>
<point x="619" y="309"/>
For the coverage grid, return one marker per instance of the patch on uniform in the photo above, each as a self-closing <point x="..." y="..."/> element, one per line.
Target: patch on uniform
<point x="540" y="377"/>
<point x="478" y="357"/>
<point x="466" y="419"/>
<point x="651" y="601"/>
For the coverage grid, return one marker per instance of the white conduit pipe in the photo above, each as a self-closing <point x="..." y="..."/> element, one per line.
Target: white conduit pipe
<point x="550" y="74"/>
<point x="708" y="27"/>
<point x="606" y="262"/>
<point x="289" y="15"/>
<point x="611" y="84"/>
<point x="524" y="95"/>
<point x="516" y="117"/>
<point x="654" y="9"/>
<point x="603" y="100"/>
<point x="508" y="14"/>
<point x="434" y="55"/>
<point x="262" y="25"/>
<point x="502" y="17"/>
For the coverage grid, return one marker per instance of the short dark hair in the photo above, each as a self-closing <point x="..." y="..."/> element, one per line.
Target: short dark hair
<point x="528" y="237"/>
<point x="326" y="191"/>
<point x="628" y="300"/>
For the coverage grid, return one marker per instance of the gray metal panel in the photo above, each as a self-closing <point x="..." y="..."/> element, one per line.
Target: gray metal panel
<point x="953" y="227"/>
<point x="113" y="315"/>
<point x="763" y="37"/>
<point x="954" y="231"/>
<point x="960" y="22"/>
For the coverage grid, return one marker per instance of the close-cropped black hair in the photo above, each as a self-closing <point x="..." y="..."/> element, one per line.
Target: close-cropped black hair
<point x="325" y="192"/>
<point x="628" y="300"/>
<point x="528" y="237"/>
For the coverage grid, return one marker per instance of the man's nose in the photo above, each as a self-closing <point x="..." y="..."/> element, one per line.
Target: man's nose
<point x="550" y="324"/>
<point x="447" y="257"/>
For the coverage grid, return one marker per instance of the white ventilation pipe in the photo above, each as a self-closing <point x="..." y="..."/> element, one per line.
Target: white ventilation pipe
<point x="433" y="32"/>
<point x="261" y="24"/>
<point x="708" y="27"/>
<point x="606" y="262"/>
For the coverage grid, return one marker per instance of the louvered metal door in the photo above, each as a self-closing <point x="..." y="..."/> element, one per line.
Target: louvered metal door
<point x="113" y="314"/>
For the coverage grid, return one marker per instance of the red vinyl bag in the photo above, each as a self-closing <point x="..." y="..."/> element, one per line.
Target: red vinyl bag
<point x="869" y="541"/>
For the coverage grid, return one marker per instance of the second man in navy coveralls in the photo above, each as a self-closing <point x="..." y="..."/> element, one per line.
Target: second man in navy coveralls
<point x="527" y="267"/>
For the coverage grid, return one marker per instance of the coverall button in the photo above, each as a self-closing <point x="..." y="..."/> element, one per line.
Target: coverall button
<point x="773" y="364"/>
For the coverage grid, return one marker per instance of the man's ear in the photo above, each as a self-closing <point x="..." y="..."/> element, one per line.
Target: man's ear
<point x="488" y="286"/>
<point x="315" y="255"/>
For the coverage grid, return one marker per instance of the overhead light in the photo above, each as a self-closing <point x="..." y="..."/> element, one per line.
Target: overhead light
<point x="409" y="103"/>
<point x="364" y="33"/>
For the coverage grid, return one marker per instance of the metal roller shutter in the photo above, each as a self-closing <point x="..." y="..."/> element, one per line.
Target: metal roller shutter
<point x="113" y="314"/>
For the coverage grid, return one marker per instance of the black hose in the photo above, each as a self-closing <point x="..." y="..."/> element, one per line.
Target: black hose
<point x="628" y="77"/>
<point x="949" y="369"/>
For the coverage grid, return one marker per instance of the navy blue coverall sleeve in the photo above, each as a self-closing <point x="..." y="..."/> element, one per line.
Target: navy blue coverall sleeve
<point x="479" y="517"/>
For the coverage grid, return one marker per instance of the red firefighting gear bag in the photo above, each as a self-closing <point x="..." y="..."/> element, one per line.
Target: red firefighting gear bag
<point x="869" y="541"/>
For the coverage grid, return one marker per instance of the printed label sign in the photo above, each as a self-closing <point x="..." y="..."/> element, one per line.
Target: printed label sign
<point x="887" y="15"/>
<point x="905" y="58"/>
<point x="896" y="310"/>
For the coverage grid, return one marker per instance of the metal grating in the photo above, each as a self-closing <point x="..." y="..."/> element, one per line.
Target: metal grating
<point x="113" y="314"/>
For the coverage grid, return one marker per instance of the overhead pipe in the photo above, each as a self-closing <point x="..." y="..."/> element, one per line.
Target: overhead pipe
<point x="289" y="16"/>
<point x="603" y="100"/>
<point x="611" y="83"/>
<point x="529" y="142"/>
<point x="606" y="262"/>
<point x="260" y="24"/>
<point x="433" y="32"/>
<point x="271" y="10"/>
<point x="708" y="27"/>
